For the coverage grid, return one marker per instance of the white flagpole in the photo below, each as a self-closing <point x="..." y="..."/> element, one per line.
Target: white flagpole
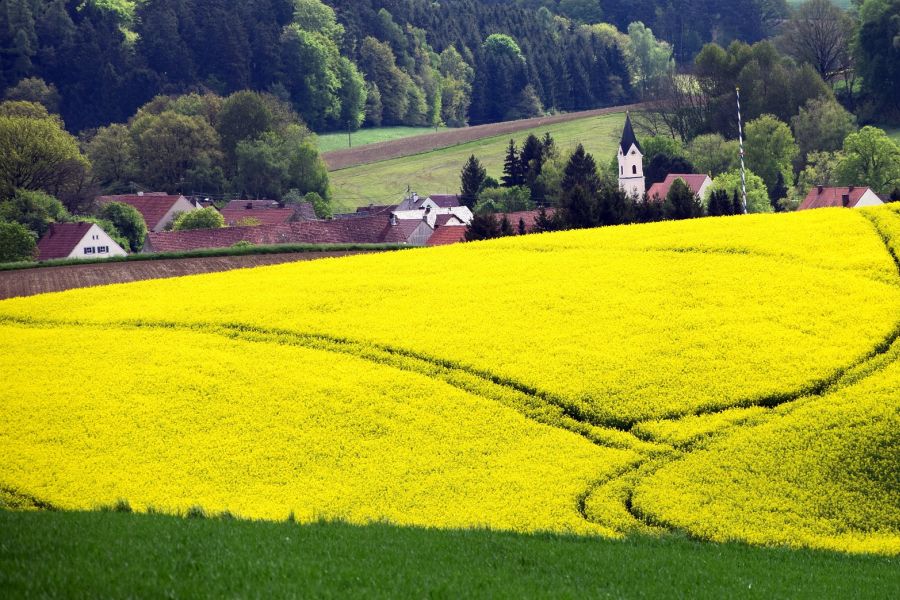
<point x="741" y="139"/>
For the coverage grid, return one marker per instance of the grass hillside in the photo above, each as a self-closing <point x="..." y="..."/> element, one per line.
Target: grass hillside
<point x="730" y="379"/>
<point x="437" y="172"/>
<point x="338" y="140"/>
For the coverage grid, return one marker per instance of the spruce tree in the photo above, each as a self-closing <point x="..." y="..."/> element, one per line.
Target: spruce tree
<point x="532" y="158"/>
<point x="522" y="229"/>
<point x="681" y="203"/>
<point x="778" y="192"/>
<point x="737" y="205"/>
<point x="483" y="226"/>
<point x="472" y="178"/>
<point x="506" y="228"/>
<point x="513" y="174"/>
<point x="581" y="171"/>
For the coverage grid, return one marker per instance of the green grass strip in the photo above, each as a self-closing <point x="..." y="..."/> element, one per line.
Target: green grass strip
<point x="117" y="555"/>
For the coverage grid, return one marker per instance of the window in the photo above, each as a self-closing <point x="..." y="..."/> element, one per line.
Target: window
<point x="621" y="170"/>
<point x="102" y="249"/>
<point x="88" y="249"/>
<point x="634" y="169"/>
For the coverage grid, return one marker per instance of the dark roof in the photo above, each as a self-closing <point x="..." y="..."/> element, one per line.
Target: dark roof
<point x="823" y="197"/>
<point x="628" y="137"/>
<point x="61" y="239"/>
<point x="376" y="229"/>
<point x="661" y="189"/>
<point x="373" y="208"/>
<point x="445" y="200"/>
<point x="441" y="220"/>
<point x="449" y="234"/>
<point x="152" y="206"/>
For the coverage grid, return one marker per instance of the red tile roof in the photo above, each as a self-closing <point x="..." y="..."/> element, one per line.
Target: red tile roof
<point x="375" y="229"/>
<point x="833" y="197"/>
<point x="61" y="239"/>
<point x="449" y="234"/>
<point x="661" y="190"/>
<point x="152" y="206"/>
<point x="267" y="212"/>
<point x="529" y="216"/>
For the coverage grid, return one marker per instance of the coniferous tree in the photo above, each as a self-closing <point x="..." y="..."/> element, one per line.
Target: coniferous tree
<point x="505" y="226"/>
<point x="779" y="191"/>
<point x="483" y="226"/>
<point x="579" y="207"/>
<point x="737" y="204"/>
<point x="581" y="170"/>
<point x="472" y="178"/>
<point x="720" y="204"/>
<point x="522" y="228"/>
<point x="681" y="203"/>
<point x="513" y="173"/>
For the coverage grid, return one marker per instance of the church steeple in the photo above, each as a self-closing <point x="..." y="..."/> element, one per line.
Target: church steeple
<point x="631" y="162"/>
<point x="628" y="137"/>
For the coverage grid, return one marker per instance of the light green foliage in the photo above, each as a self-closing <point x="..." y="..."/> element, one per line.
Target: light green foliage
<point x="870" y="158"/>
<point x="757" y="195"/>
<point x="770" y="150"/>
<point x="128" y="221"/>
<point x="712" y="154"/>
<point x="821" y="125"/>
<point x="456" y="88"/>
<point x="661" y="144"/>
<point x="204" y="218"/>
<point x="112" y="155"/>
<point x="498" y="200"/>
<point x="317" y="57"/>
<point x="34" y="210"/>
<point x="17" y="243"/>
<point x="313" y="15"/>
<point x="649" y="59"/>
<point x="502" y="44"/>
<point x="320" y="205"/>
<point x="278" y="162"/>
<point x="38" y="154"/>
<point x="34" y="89"/>
<point x="171" y="147"/>
<point x="821" y="169"/>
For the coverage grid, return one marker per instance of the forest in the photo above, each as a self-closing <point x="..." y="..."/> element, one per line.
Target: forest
<point x="346" y="63"/>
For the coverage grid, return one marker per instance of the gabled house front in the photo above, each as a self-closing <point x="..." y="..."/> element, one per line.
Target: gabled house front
<point x="77" y="240"/>
<point x="847" y="197"/>
<point x="159" y="210"/>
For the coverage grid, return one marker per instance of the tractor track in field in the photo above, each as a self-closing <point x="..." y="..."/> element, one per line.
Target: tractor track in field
<point x="420" y="144"/>
<point x="535" y="404"/>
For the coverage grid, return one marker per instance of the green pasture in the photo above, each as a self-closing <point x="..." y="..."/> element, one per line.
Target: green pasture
<point x="121" y="555"/>
<point x="339" y="140"/>
<point x="437" y="172"/>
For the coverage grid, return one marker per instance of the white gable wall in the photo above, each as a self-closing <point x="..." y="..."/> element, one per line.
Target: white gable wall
<point x="870" y="198"/>
<point x="96" y="243"/>
<point x="181" y="205"/>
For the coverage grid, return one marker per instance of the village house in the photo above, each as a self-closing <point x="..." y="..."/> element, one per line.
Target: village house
<point x="847" y="197"/>
<point x="158" y="209"/>
<point x="77" y="240"/>
<point x="432" y="207"/>
<point x="266" y="212"/>
<point x="698" y="184"/>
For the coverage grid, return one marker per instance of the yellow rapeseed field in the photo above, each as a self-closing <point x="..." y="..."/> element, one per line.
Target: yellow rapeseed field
<point x="563" y="382"/>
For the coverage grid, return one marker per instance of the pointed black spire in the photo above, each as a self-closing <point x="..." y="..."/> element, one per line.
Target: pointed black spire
<point x="628" y="137"/>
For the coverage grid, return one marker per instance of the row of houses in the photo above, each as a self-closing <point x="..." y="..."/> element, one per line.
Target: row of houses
<point x="416" y="221"/>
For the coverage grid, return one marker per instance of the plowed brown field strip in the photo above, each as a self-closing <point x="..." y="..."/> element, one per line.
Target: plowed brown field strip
<point x="351" y="157"/>
<point x="29" y="282"/>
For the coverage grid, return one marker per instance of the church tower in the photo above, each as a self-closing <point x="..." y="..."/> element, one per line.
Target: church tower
<point x="631" y="162"/>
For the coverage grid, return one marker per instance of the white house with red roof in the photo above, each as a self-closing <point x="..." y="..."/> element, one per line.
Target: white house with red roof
<point x="847" y="197"/>
<point x="158" y="209"/>
<point x="431" y="208"/>
<point x="77" y="240"/>
<point x="698" y="184"/>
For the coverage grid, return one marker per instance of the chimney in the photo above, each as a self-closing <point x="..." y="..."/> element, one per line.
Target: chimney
<point x="851" y="188"/>
<point x="415" y="197"/>
<point x="393" y="220"/>
<point x="821" y="187"/>
<point x="141" y="194"/>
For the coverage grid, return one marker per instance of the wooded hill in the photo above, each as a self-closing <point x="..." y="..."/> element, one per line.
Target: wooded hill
<point x="390" y="62"/>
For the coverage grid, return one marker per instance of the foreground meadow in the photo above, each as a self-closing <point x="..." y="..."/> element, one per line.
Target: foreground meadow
<point x="734" y="379"/>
